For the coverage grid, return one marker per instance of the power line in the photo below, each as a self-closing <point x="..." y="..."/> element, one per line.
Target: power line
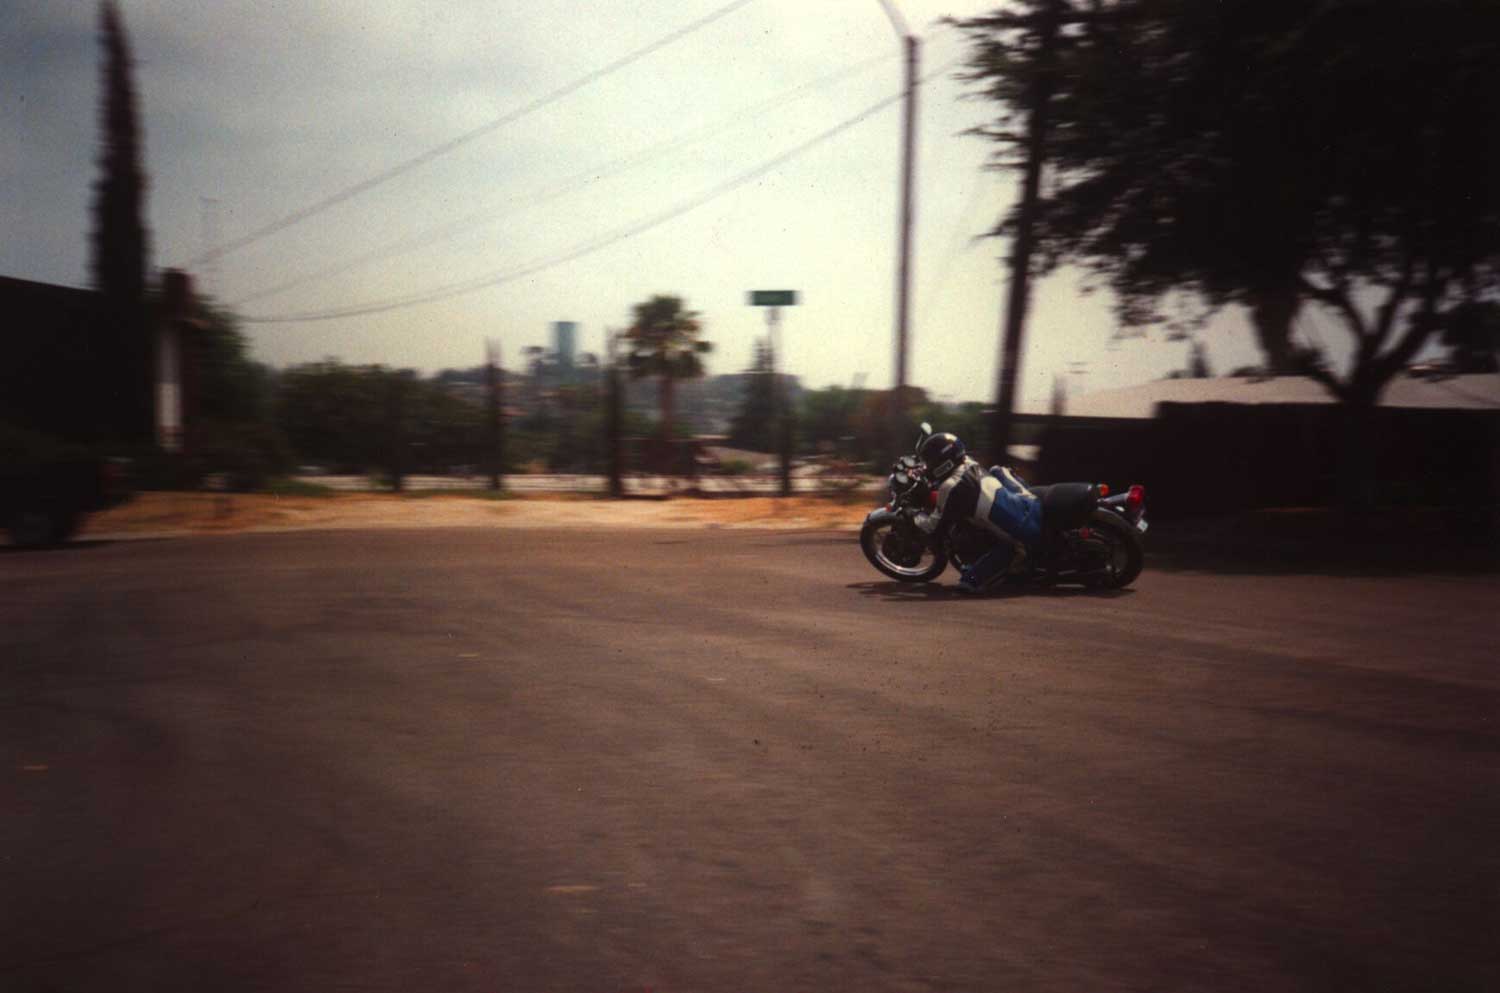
<point x="586" y="248"/>
<point x="504" y="276"/>
<point x="577" y="181"/>
<point x="437" y="151"/>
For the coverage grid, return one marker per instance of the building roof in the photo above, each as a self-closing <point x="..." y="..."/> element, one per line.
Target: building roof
<point x="1471" y="392"/>
<point x="29" y="301"/>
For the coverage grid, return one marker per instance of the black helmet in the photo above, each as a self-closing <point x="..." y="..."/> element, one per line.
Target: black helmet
<point x="942" y="453"/>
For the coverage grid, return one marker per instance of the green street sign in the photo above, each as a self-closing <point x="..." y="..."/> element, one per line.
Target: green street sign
<point x="773" y="298"/>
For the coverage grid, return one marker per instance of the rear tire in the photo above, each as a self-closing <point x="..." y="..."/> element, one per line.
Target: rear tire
<point x="1127" y="552"/>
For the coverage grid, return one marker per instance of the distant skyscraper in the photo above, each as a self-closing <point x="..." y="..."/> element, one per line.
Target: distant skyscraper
<point x="564" y="341"/>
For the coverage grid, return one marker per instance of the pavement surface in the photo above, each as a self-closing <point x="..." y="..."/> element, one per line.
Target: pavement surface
<point x="622" y="760"/>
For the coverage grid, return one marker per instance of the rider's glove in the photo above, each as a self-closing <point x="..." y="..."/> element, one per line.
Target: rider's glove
<point x="927" y="522"/>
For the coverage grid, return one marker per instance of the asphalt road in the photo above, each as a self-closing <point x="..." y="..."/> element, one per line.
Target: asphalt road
<point x="613" y="762"/>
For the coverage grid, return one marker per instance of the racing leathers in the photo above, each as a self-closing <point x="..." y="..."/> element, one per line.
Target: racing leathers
<point x="999" y="503"/>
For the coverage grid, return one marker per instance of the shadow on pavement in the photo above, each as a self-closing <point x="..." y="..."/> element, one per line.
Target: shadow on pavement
<point x="1323" y="543"/>
<point x="81" y="545"/>
<point x="912" y="592"/>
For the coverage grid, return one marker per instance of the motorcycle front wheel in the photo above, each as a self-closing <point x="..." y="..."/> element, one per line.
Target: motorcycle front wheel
<point x="903" y="556"/>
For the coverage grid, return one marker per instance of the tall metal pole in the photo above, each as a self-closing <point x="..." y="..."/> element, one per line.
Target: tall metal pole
<point x="908" y="167"/>
<point x="780" y="414"/>
<point x="912" y="45"/>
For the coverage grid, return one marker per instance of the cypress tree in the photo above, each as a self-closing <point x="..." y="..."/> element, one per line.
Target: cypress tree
<point x="119" y="246"/>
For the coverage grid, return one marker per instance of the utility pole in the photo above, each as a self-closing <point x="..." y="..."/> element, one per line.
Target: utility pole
<point x="1018" y="296"/>
<point x="612" y="415"/>
<point x="908" y="168"/>
<point x="912" y="45"/>
<point x="781" y="418"/>
<point x="396" y="404"/>
<point x="495" y="413"/>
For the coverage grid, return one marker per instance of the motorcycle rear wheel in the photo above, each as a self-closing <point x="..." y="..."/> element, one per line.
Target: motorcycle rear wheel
<point x="1126" y="552"/>
<point x="872" y="539"/>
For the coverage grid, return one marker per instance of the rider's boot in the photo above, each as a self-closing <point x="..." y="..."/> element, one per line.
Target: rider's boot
<point x="990" y="566"/>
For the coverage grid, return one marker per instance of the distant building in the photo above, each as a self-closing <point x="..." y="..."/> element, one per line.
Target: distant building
<point x="565" y="342"/>
<point x="1407" y="390"/>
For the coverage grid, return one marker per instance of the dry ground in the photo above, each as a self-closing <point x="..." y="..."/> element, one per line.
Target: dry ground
<point x="608" y="761"/>
<point x="165" y="513"/>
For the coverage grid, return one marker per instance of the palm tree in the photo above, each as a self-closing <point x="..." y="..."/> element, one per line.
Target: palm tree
<point x="662" y="341"/>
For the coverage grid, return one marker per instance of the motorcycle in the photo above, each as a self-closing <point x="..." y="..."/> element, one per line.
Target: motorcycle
<point x="1088" y="536"/>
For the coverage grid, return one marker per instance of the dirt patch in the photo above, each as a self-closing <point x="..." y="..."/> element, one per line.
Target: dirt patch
<point x="209" y="513"/>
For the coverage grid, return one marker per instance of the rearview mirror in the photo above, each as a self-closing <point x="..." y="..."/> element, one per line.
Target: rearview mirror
<point x="926" y="433"/>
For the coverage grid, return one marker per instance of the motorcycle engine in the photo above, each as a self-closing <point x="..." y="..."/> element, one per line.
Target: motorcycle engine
<point x="966" y="544"/>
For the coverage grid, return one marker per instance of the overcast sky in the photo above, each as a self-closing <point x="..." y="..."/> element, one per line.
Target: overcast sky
<point x="255" y="110"/>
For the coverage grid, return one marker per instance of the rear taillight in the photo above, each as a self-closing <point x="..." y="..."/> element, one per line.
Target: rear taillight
<point x="1136" y="500"/>
<point x="1103" y="489"/>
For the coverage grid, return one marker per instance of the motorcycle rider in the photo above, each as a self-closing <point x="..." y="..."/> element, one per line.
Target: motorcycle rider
<point x="996" y="501"/>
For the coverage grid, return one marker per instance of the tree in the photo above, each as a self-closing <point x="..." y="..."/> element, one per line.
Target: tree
<point x="1273" y="154"/>
<point x="336" y="415"/>
<point x="1471" y="331"/>
<point x="662" y="341"/>
<point x="230" y="399"/>
<point x="119" y="244"/>
<point x="752" y="426"/>
<point x="1058" y="405"/>
<point x="229" y="386"/>
<point x="829" y="419"/>
<point x="494" y="416"/>
<point x="1198" y="367"/>
<point x="1026" y="39"/>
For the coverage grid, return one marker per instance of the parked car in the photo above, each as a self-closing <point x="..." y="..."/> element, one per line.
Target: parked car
<point x="47" y="488"/>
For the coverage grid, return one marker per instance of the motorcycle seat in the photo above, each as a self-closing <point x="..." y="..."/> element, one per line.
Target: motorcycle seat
<point x="1066" y="505"/>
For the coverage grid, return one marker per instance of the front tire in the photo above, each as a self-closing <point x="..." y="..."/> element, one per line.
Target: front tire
<point x="1125" y="553"/>
<point x="876" y="538"/>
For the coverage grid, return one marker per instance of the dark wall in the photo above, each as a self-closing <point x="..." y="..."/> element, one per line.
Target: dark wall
<point x="48" y="358"/>
<point x="72" y="369"/>
<point x="1214" y="457"/>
